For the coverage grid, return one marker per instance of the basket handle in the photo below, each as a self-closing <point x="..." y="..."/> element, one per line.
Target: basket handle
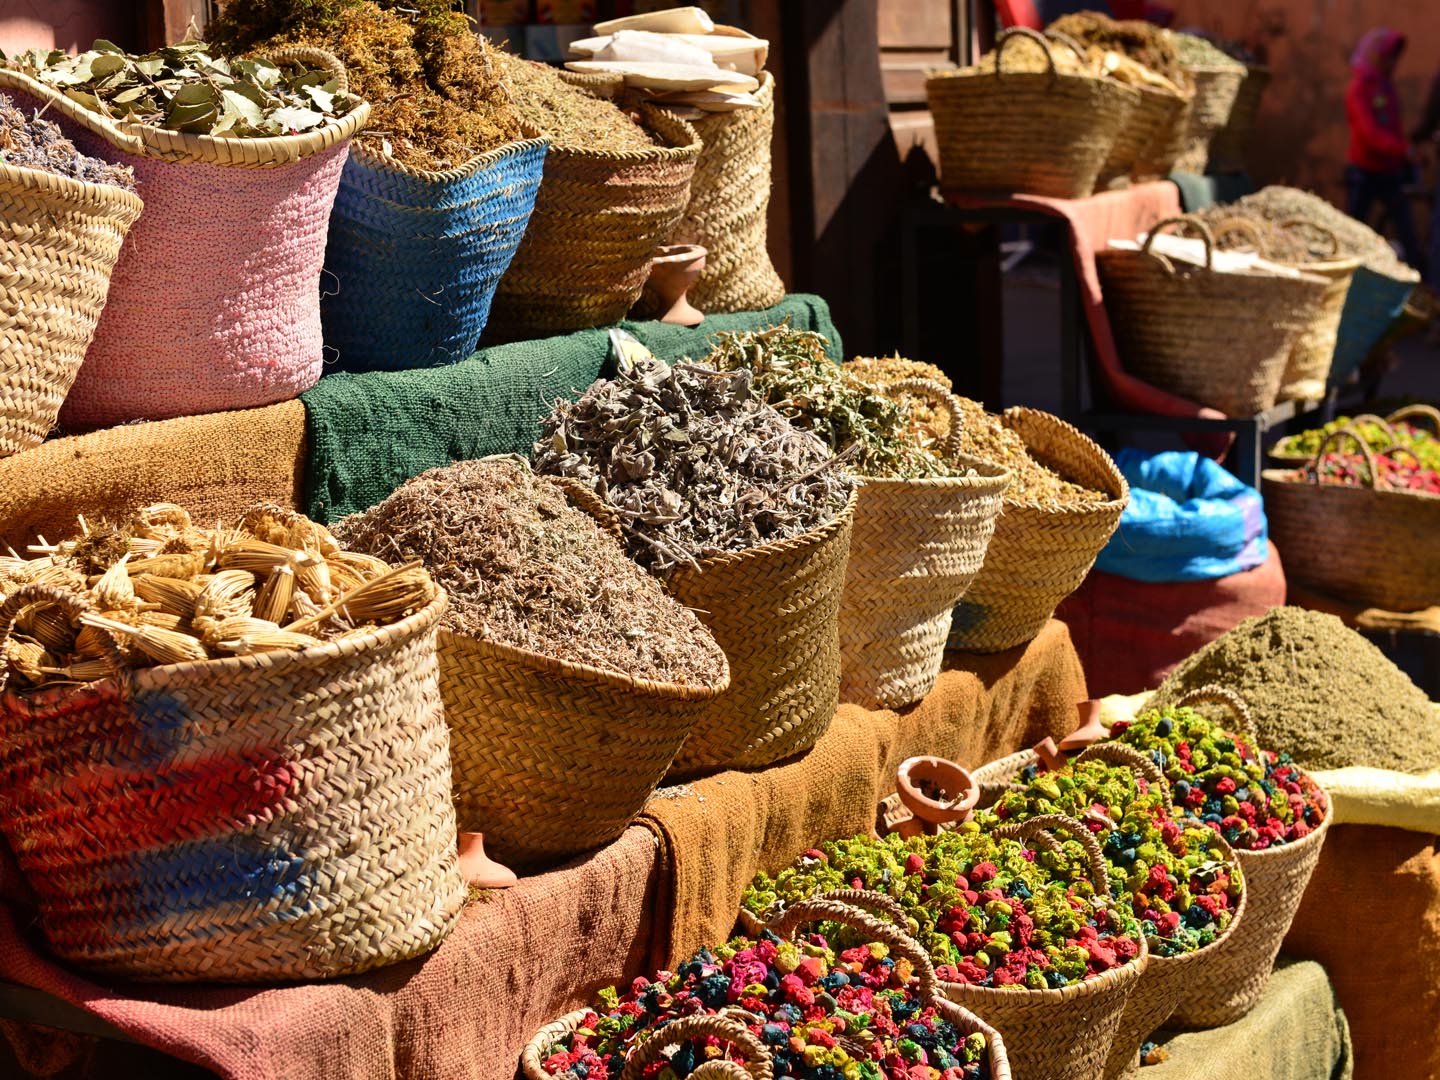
<point x="1326" y="233"/>
<point x="1116" y="753"/>
<point x="73" y="606"/>
<point x="1380" y="422"/>
<point x="1042" y="825"/>
<point x="758" y="1065"/>
<point x="899" y="942"/>
<point x="1427" y="412"/>
<point x="929" y="388"/>
<point x="1398" y="448"/>
<point x="1218" y="695"/>
<point x="1016" y="32"/>
<point x="876" y="903"/>
<point x="1189" y="221"/>
<point x="1248" y="229"/>
<point x="1066" y="40"/>
<point x="1365" y="452"/>
<point x="315" y="59"/>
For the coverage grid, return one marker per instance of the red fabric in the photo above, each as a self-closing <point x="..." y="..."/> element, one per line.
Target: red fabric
<point x="1131" y="634"/>
<point x="1019" y="13"/>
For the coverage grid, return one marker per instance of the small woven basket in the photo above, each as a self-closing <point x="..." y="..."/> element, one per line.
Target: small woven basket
<point x="1171" y="118"/>
<point x="1229" y="146"/>
<point x="415" y="256"/>
<point x="775" y="611"/>
<point x="1275" y="881"/>
<point x="1366" y="544"/>
<point x="214" y="302"/>
<point x="59" y="240"/>
<point x="1216" y="89"/>
<point x="1220" y="339"/>
<point x="598" y="218"/>
<point x="730" y="1026"/>
<point x="1040" y="552"/>
<point x="1042" y="133"/>
<point x="253" y="819"/>
<point x="916" y="546"/>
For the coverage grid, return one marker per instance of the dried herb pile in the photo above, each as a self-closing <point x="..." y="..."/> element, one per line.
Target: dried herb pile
<point x="1318" y="690"/>
<point x="929" y="421"/>
<point x="693" y="462"/>
<point x="39" y="144"/>
<point x="523" y="567"/>
<point x="572" y="118"/>
<point x="1196" y="51"/>
<point x="168" y="592"/>
<point x="1296" y="244"/>
<point x="188" y="88"/>
<point x="1026" y="55"/>
<point x="794" y="375"/>
<point x="435" y="88"/>
<point x="1143" y="42"/>
<point x="1278" y="204"/>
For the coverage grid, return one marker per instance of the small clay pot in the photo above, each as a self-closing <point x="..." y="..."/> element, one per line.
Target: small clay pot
<point x="962" y="792"/>
<point x="675" y="269"/>
<point x="479" y="869"/>
<point x="1090" y="729"/>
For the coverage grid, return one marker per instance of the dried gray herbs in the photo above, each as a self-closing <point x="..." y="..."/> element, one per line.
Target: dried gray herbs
<point x="39" y="144"/>
<point x="693" y="462"/>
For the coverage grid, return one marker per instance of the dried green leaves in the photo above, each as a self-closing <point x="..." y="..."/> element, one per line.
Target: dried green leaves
<point x="184" y="88"/>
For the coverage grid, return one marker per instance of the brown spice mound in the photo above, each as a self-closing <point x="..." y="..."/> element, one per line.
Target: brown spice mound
<point x="525" y="568"/>
<point x="573" y="118"/>
<point x="1319" y="690"/>
<point x="1143" y="42"/>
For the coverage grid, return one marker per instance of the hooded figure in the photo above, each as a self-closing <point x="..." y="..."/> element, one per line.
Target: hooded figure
<point x="1378" y="160"/>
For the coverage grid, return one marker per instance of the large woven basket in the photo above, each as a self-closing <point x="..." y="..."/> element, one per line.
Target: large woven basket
<point x="1365" y="544"/>
<point x="1216" y="89"/>
<point x="415" y="256"/>
<point x="1229" y="146"/>
<point x="259" y="818"/>
<point x="775" y="611"/>
<point x="916" y="546"/>
<point x="1372" y="306"/>
<point x="1171" y="113"/>
<point x="1038" y="133"/>
<point x="1159" y="989"/>
<point x="215" y="301"/>
<point x="1040" y="552"/>
<point x="730" y="1026"/>
<point x="59" y="239"/>
<point x="1151" y="124"/>
<point x="1219" y="339"/>
<point x="599" y="216"/>
<point x="1275" y="881"/>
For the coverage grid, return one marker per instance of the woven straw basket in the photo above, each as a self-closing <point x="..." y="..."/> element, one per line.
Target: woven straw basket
<point x="1170" y="118"/>
<point x="215" y="300"/>
<point x="607" y="85"/>
<point x="732" y="1028"/>
<point x="1366" y="544"/>
<point x="916" y="546"/>
<point x="1216" y="89"/>
<point x="415" y="256"/>
<point x="259" y="818"/>
<point x="59" y="239"/>
<point x="599" y="216"/>
<point x="775" y="611"/>
<point x="1219" y="339"/>
<point x="1275" y="881"/>
<point x="1229" y="145"/>
<point x="1040" y="552"/>
<point x="1372" y="306"/>
<point x="1039" y="133"/>
<point x="1158" y="991"/>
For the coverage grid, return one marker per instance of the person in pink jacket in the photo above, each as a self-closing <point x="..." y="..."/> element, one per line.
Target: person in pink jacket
<point x="1379" y="163"/>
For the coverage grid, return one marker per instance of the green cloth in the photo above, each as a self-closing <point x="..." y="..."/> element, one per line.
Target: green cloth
<point x="369" y="433"/>
<point x="1199" y="192"/>
<point x="1296" y="1032"/>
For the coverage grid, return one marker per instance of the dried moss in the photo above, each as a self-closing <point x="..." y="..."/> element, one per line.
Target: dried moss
<point x="571" y="117"/>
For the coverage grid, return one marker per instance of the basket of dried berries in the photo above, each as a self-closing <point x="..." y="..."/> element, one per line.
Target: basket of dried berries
<point x="1271" y="813"/>
<point x="570" y="679"/>
<point x="860" y="999"/>
<point x="248" y="723"/>
<point x="747" y="521"/>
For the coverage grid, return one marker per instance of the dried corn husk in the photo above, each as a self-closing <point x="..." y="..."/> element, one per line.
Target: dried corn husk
<point x="46" y="624"/>
<point x="161" y="521"/>
<point x="255" y="556"/>
<point x="312" y="575"/>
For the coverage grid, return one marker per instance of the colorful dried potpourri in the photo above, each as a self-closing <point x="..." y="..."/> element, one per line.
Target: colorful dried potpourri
<point x="1175" y="877"/>
<point x="188" y="88"/>
<point x="794" y="375"/>
<point x="989" y="911"/>
<point x="1256" y="799"/>
<point x="1397" y="469"/>
<point x="821" y="1014"/>
<point x="39" y="144"/>
<point x="522" y="567"/>
<point x="1424" y="444"/>
<point x="692" y="461"/>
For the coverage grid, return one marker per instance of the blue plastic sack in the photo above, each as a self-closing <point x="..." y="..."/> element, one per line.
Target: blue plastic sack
<point x="413" y="259"/>
<point x="1188" y="519"/>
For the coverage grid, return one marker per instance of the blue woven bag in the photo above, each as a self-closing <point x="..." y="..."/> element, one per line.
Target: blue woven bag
<point x="414" y="257"/>
<point x="1373" y="303"/>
